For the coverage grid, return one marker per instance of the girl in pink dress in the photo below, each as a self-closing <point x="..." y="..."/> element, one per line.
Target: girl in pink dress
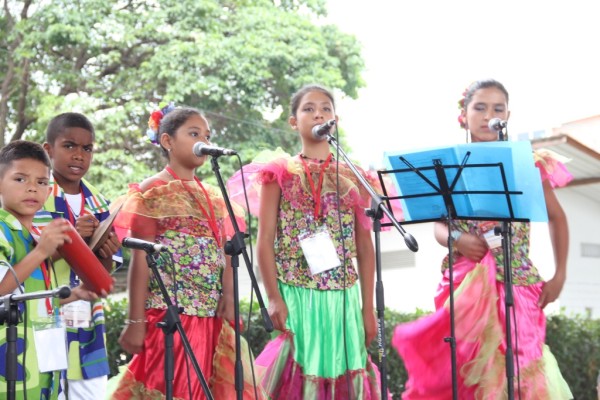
<point x="310" y="203"/>
<point x="479" y="292"/>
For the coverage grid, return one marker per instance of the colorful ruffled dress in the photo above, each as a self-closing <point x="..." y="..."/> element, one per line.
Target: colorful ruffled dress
<point x="308" y="361"/>
<point x="480" y="324"/>
<point x="178" y="214"/>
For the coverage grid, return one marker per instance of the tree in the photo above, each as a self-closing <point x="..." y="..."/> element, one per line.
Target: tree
<point x="238" y="60"/>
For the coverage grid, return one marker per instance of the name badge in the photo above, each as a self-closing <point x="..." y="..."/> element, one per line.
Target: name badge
<point x="51" y="345"/>
<point x="319" y="251"/>
<point x="492" y="239"/>
<point x="77" y="314"/>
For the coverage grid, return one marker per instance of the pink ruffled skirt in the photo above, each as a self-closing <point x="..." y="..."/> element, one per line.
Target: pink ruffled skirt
<point x="479" y="305"/>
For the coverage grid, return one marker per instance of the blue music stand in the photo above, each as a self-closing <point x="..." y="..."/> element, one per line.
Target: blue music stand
<point x="476" y="181"/>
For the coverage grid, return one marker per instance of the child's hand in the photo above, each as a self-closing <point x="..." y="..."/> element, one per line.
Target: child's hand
<point x="551" y="291"/>
<point x="278" y="312"/>
<point x="53" y="236"/>
<point x="132" y="337"/>
<point x="225" y="308"/>
<point x="81" y="292"/>
<point x="471" y="246"/>
<point x="370" y="324"/>
<point x="110" y="246"/>
<point x="86" y="224"/>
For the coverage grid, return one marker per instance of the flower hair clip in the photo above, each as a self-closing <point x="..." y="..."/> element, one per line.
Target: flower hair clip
<point x="154" y="121"/>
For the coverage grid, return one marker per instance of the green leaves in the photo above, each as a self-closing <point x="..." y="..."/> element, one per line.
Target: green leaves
<point x="238" y="60"/>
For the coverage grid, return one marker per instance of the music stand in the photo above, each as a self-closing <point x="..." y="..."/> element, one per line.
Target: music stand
<point x="456" y="187"/>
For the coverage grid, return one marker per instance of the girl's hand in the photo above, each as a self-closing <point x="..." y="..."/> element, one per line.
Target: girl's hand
<point x="370" y="324"/>
<point x="85" y="225"/>
<point x="278" y="312"/>
<point x="471" y="246"/>
<point x="132" y="337"/>
<point x="551" y="291"/>
<point x="225" y="308"/>
<point x="53" y="236"/>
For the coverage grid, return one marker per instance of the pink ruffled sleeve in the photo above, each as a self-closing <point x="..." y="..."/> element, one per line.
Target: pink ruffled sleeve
<point x="551" y="169"/>
<point x="267" y="167"/>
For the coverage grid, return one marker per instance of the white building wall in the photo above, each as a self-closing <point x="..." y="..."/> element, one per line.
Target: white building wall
<point x="581" y="293"/>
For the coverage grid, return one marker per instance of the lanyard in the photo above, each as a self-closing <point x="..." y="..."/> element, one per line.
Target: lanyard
<point x="316" y="191"/>
<point x="70" y="210"/>
<point x="212" y="220"/>
<point x="46" y="273"/>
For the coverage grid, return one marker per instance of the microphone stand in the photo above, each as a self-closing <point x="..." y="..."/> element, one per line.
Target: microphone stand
<point x="170" y="323"/>
<point x="376" y="213"/>
<point x="10" y="315"/>
<point x="505" y="230"/>
<point x="234" y="248"/>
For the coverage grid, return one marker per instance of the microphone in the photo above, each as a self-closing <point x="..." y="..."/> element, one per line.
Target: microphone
<point x="62" y="292"/>
<point x="138" y="244"/>
<point x="202" y="149"/>
<point x="496" y="125"/>
<point x="320" y="131"/>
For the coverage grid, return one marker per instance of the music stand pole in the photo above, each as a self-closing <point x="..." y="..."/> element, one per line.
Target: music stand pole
<point x="234" y="248"/>
<point x="505" y="230"/>
<point x="376" y="213"/>
<point x="170" y="323"/>
<point x="446" y="191"/>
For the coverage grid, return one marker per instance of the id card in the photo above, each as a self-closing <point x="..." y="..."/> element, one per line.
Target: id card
<point x="77" y="314"/>
<point x="51" y="345"/>
<point x="319" y="251"/>
<point x="492" y="239"/>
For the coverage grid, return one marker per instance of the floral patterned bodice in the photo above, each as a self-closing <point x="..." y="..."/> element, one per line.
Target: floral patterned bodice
<point x="296" y="217"/>
<point x="192" y="268"/>
<point x="523" y="271"/>
<point x="197" y="268"/>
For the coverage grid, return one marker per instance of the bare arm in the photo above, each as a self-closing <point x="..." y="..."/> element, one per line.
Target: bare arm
<point x="267" y="230"/>
<point x="365" y="257"/>
<point x="440" y="231"/>
<point x="53" y="236"/>
<point x="471" y="246"/>
<point x="225" y="308"/>
<point x="559" y="236"/>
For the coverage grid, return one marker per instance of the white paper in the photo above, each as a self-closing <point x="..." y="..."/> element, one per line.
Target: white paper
<point x="51" y="349"/>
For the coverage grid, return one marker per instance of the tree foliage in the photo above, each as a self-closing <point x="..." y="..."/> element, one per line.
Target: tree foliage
<point x="115" y="60"/>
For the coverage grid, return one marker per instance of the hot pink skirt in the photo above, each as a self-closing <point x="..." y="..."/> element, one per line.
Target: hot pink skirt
<point x="480" y="341"/>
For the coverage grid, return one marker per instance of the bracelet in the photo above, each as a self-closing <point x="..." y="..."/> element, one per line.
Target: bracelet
<point x="135" y="321"/>
<point x="456" y="235"/>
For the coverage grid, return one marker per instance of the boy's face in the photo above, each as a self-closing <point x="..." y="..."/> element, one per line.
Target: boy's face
<point x="71" y="156"/>
<point x="24" y="187"/>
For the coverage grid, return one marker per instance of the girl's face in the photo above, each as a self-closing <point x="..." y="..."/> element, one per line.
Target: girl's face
<point x="315" y="108"/>
<point x="180" y="145"/>
<point x="487" y="103"/>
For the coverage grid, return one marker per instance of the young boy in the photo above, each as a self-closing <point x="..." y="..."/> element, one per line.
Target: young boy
<point x="24" y="176"/>
<point x="70" y="144"/>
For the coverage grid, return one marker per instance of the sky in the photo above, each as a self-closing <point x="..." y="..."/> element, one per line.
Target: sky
<point x="421" y="55"/>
